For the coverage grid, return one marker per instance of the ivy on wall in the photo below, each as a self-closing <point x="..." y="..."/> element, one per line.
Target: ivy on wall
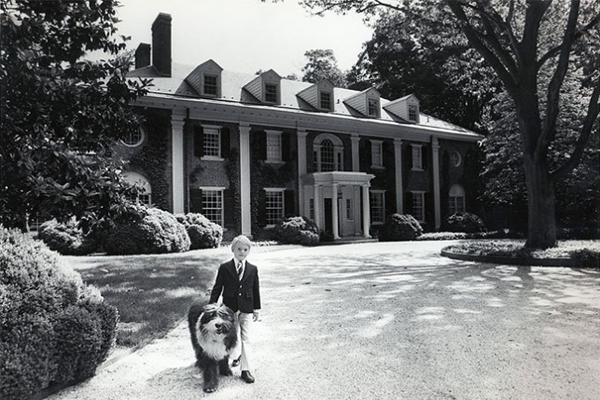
<point x="233" y="175"/>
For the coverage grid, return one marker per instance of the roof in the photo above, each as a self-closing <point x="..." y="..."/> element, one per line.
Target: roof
<point x="232" y="90"/>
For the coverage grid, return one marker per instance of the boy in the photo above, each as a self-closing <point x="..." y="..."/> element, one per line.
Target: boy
<point x="237" y="280"/>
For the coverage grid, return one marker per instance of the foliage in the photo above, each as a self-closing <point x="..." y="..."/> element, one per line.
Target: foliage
<point x="61" y="114"/>
<point x="297" y="230"/>
<point x="54" y="328"/>
<point x="322" y="64"/>
<point x="400" y="227"/>
<point x="67" y="237"/>
<point x="203" y="233"/>
<point x="522" y="41"/>
<point x="586" y="259"/>
<point x="465" y="222"/>
<point x="143" y="230"/>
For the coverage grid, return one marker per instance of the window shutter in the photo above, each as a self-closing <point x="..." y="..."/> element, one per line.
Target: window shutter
<point x="425" y="157"/>
<point x="286" y="150"/>
<point x="198" y="141"/>
<point x="262" y="208"/>
<point x="196" y="201"/>
<point x="369" y="153"/>
<point x="407" y="162"/>
<point x="262" y="143"/>
<point x="228" y="209"/>
<point x="429" y="212"/>
<point x="225" y="140"/>
<point x="408" y="203"/>
<point x="289" y="203"/>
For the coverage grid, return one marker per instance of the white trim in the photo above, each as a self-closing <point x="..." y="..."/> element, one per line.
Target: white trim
<point x="143" y="136"/>
<point x="177" y="162"/>
<point x="459" y="161"/>
<point x="245" y="179"/>
<point x="382" y="193"/>
<point x="276" y="190"/>
<point x="215" y="189"/>
<point x="278" y="135"/>
<point x="379" y="144"/>
<point x="422" y="193"/>
<point x="412" y="155"/>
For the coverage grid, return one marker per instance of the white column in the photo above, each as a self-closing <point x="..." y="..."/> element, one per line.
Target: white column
<point x="334" y="211"/>
<point x="317" y="195"/>
<point x="177" y="157"/>
<point x="436" y="183"/>
<point x="366" y="211"/>
<point x="355" y="153"/>
<point x="246" y="212"/>
<point x="399" y="190"/>
<point x="301" y="167"/>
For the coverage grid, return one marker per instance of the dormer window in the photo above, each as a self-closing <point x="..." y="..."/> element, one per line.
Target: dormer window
<point x="325" y="101"/>
<point x="270" y="93"/>
<point x="413" y="112"/>
<point x="210" y="85"/>
<point x="373" y="107"/>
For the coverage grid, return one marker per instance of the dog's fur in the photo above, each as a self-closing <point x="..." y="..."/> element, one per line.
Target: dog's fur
<point x="214" y="337"/>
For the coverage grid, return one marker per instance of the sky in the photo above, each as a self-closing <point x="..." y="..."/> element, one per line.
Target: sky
<point x="246" y="35"/>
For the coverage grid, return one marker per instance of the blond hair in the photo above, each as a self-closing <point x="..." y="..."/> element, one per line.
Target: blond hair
<point x="240" y="239"/>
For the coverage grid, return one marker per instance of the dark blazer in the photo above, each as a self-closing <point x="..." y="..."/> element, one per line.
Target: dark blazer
<point x="241" y="295"/>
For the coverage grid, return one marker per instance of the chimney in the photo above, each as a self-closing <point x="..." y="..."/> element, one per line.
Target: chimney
<point x="142" y="55"/>
<point x="161" y="44"/>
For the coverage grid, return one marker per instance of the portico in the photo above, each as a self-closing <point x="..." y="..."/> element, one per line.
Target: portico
<point x="338" y="202"/>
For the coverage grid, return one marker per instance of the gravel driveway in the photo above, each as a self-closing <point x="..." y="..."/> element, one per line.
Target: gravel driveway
<point x="391" y="321"/>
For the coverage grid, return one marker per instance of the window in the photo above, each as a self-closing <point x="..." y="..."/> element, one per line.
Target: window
<point x="134" y="138"/>
<point x="270" y="93"/>
<point x="413" y="112"/>
<point x="311" y="209"/>
<point x="417" y="157"/>
<point x="145" y="190"/>
<point x="274" y="205"/>
<point x="377" y="199"/>
<point x="212" y="204"/>
<point x="212" y="141"/>
<point x="326" y="100"/>
<point x="210" y="85"/>
<point x="457" y="199"/>
<point x="327" y="156"/>
<point x="349" y="210"/>
<point x="273" y="146"/>
<point x="418" y="206"/>
<point x="376" y="154"/>
<point x="373" y="105"/>
<point x="455" y="158"/>
<point x="328" y="153"/>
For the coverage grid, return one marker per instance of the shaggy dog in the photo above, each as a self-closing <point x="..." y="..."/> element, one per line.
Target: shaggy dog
<point x="214" y="338"/>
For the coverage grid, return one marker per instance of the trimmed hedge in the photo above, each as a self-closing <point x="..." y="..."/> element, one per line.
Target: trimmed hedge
<point x="53" y="328"/>
<point x="297" y="230"/>
<point x="398" y="227"/>
<point x="203" y="233"/>
<point x="67" y="238"/>
<point x="143" y="230"/>
<point x="465" y="222"/>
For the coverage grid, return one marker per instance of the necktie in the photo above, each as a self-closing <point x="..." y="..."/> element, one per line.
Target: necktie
<point x="240" y="270"/>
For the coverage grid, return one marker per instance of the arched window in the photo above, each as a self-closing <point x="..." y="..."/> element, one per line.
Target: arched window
<point x="145" y="195"/>
<point x="457" y="199"/>
<point x="328" y="153"/>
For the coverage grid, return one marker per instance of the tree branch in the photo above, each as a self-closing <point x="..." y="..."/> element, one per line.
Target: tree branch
<point x="576" y="36"/>
<point x="588" y="124"/>
<point x="552" y="107"/>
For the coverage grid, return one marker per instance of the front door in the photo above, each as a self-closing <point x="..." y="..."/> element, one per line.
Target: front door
<point x="347" y="211"/>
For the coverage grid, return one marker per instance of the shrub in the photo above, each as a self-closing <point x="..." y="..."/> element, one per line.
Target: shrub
<point x="297" y="230"/>
<point x="465" y="222"/>
<point x="143" y="230"/>
<point x="586" y="259"/>
<point x="203" y="233"/>
<point x="53" y="328"/>
<point x="400" y="227"/>
<point x="67" y="238"/>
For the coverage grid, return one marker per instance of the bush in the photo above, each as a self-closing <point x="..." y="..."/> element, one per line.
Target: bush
<point x="465" y="222"/>
<point x="400" y="227"/>
<point x="203" y="233"/>
<point x="143" y="230"/>
<point x="586" y="259"/>
<point x="53" y="328"/>
<point x="297" y="230"/>
<point x="67" y="238"/>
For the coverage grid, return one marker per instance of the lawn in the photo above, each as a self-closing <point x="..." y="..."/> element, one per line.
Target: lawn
<point x="151" y="292"/>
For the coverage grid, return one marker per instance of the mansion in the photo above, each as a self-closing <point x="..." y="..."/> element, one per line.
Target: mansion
<point x="248" y="150"/>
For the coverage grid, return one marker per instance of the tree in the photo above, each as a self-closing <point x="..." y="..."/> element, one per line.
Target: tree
<point x="522" y="40"/>
<point x="61" y="114"/>
<point x="322" y="64"/>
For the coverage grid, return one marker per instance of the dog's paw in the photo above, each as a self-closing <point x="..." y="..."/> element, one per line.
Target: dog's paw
<point x="226" y="372"/>
<point x="210" y="389"/>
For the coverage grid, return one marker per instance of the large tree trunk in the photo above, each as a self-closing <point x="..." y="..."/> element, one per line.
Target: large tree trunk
<point x="541" y="220"/>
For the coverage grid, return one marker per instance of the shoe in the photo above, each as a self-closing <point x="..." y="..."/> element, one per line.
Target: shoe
<point x="247" y="377"/>
<point x="236" y="362"/>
